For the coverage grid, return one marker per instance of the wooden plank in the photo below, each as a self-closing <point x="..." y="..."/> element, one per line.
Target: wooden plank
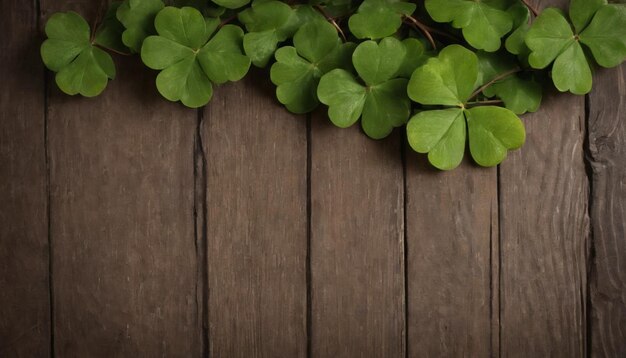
<point x="544" y="232"/>
<point x="24" y="295"/>
<point x="607" y="155"/>
<point x="452" y="258"/>
<point x="256" y="155"/>
<point x="125" y="276"/>
<point x="357" y="232"/>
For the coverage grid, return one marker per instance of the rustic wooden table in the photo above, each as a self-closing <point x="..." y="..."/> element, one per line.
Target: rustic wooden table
<point x="134" y="227"/>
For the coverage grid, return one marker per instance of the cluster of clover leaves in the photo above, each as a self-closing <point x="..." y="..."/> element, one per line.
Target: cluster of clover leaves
<point x="437" y="66"/>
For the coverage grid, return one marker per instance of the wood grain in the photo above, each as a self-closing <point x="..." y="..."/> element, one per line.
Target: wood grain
<point x="544" y="233"/>
<point x="607" y="156"/>
<point x="125" y="276"/>
<point x="357" y="231"/>
<point x="24" y="294"/>
<point x="256" y="222"/>
<point x="452" y="254"/>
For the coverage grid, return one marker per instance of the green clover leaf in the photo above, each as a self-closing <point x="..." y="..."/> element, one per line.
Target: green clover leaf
<point x="268" y="23"/>
<point x="317" y="50"/>
<point x="519" y="91"/>
<point x="231" y="4"/>
<point x="381" y="101"/>
<point x="551" y="39"/>
<point x="109" y="34"/>
<point x="483" y="23"/>
<point x="188" y="60"/>
<point x="606" y="35"/>
<point x="81" y="67"/>
<point x="137" y="16"/>
<point x="376" y="19"/>
<point x="515" y="42"/>
<point x="450" y="80"/>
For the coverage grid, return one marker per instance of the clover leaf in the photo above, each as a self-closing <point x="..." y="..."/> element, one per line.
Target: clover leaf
<point x="268" y="23"/>
<point x="483" y="23"/>
<point x="450" y="80"/>
<point x="109" y="33"/>
<point x="380" y="100"/>
<point x="519" y="91"/>
<point x="551" y="39"/>
<point x="376" y="19"/>
<point x="137" y="16"/>
<point x="317" y="50"/>
<point x="81" y="67"/>
<point x="188" y="60"/>
<point x="515" y="42"/>
<point x="231" y="4"/>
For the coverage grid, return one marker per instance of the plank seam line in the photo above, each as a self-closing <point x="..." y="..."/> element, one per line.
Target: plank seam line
<point x="403" y="159"/>
<point x="309" y="304"/>
<point x="500" y="258"/>
<point x="590" y="251"/>
<point x="201" y="232"/>
<point x="46" y="110"/>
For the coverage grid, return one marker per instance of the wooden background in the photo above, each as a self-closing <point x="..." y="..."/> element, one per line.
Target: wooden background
<point x="134" y="227"/>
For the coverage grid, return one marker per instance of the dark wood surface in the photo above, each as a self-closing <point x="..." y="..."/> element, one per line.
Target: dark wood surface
<point x="134" y="227"/>
<point x="24" y="289"/>
<point x="607" y="164"/>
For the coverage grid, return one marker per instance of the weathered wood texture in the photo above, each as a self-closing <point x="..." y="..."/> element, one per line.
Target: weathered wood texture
<point x="122" y="230"/>
<point x="452" y="223"/>
<point x="24" y="297"/>
<point x="256" y="201"/>
<point x="607" y="156"/>
<point x="544" y="233"/>
<point x="357" y="256"/>
<point x="133" y="227"/>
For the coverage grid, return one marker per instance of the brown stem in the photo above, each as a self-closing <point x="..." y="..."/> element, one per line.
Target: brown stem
<point x="494" y="80"/>
<point x="423" y="29"/>
<point x="332" y="21"/>
<point x="227" y="20"/>
<point x="97" y="20"/>
<point x="531" y="8"/>
<point x="111" y="49"/>
<point x="481" y="103"/>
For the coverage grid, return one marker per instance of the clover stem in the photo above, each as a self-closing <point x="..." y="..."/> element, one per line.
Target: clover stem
<point x="332" y="21"/>
<point x="110" y="49"/>
<point x="531" y="8"/>
<point x="494" y="80"/>
<point x="480" y="103"/>
<point x="97" y="20"/>
<point x="227" y="20"/>
<point x="425" y="30"/>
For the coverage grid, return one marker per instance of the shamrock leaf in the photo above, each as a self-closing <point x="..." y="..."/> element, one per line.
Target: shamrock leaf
<point x="450" y="80"/>
<point x="188" y="59"/>
<point x="606" y="35"/>
<point x="231" y="4"/>
<point x="441" y="134"/>
<point x="493" y="131"/>
<point x="376" y="19"/>
<point x="109" y="34"/>
<point x="415" y="57"/>
<point x="515" y="42"/>
<point x="519" y="91"/>
<point x="268" y="23"/>
<point x="335" y="8"/>
<point x="381" y="101"/>
<point x="81" y="67"/>
<point x="551" y="39"/>
<point x="483" y="23"/>
<point x="298" y="69"/>
<point x="137" y="16"/>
